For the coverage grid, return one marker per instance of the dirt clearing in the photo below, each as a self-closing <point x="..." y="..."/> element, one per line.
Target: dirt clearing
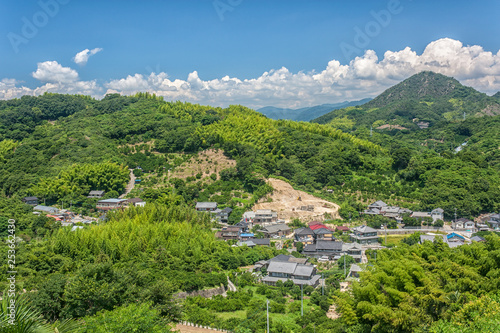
<point x="285" y="201"/>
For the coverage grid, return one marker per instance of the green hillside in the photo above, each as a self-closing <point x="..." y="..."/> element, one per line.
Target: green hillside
<point x="426" y="98"/>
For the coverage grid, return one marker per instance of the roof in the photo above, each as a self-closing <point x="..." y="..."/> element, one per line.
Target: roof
<point x="303" y="270"/>
<point x="46" y="209"/>
<point x="378" y="203"/>
<point x="249" y="215"/>
<point x="135" y="200"/>
<point x="281" y="257"/>
<point x="420" y="214"/>
<point x="96" y="192"/>
<point x="304" y="231"/>
<point x="328" y="245"/>
<point x="227" y="210"/>
<point x="247" y="243"/>
<point x="453" y="234"/>
<point x="356" y="268"/>
<point x="264" y="211"/>
<point x="30" y="198"/>
<point x="438" y="211"/>
<point x="276" y="228"/>
<point x="477" y="239"/>
<point x="206" y="205"/>
<point x="247" y="234"/>
<point x="364" y="229"/>
<point x="322" y="231"/>
<point x="317" y="226"/>
<point x="262" y="241"/>
<point x="111" y="200"/>
<point x="342" y="228"/>
<point x="351" y="246"/>
<point x="282" y="267"/>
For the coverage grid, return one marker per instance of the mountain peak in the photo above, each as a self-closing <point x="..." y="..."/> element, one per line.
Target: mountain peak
<point x="420" y="86"/>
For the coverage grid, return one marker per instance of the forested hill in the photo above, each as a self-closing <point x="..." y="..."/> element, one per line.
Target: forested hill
<point x="59" y="147"/>
<point x="426" y="97"/>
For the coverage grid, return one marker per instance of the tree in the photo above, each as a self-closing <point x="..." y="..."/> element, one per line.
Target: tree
<point x="348" y="261"/>
<point x="299" y="246"/>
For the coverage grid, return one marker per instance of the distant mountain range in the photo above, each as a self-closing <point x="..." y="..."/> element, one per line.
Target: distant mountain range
<point x="421" y="101"/>
<point x="307" y="113"/>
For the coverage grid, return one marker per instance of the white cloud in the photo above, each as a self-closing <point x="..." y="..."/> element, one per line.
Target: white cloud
<point x="82" y="57"/>
<point x="52" y="71"/>
<point x="365" y="76"/>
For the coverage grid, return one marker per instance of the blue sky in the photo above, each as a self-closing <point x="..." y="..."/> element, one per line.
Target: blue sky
<point x="190" y="46"/>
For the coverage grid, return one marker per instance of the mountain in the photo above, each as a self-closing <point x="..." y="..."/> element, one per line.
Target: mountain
<point x="420" y="101"/>
<point x="307" y="113"/>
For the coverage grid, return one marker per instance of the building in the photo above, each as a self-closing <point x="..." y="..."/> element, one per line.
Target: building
<point x="137" y="202"/>
<point x="354" y="250"/>
<point x="276" y="230"/>
<point x="299" y="274"/>
<point x="478" y="239"/>
<point x="96" y="194"/>
<point x="494" y="221"/>
<point x="377" y="205"/>
<point x="231" y="232"/>
<point x="255" y="242"/>
<point x="248" y="217"/>
<point x="437" y="214"/>
<point x="364" y="235"/>
<point x="206" y="206"/>
<point x="452" y="239"/>
<point x="33" y="201"/>
<point x="265" y="216"/>
<point x="463" y="224"/>
<point x="323" y="234"/>
<point x="354" y="272"/>
<point x="222" y="215"/>
<point x="46" y="209"/>
<point x="323" y="248"/>
<point x="109" y="204"/>
<point x="304" y="235"/>
<point x="342" y="229"/>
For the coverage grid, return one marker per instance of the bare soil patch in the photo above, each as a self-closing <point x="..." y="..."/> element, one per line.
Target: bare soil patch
<point x="285" y="201"/>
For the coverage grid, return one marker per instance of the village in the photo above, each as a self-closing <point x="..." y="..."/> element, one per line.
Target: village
<point x="315" y="241"/>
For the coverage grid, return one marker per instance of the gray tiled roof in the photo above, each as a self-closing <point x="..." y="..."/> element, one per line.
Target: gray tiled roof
<point x="303" y="270"/>
<point x="328" y="245"/>
<point x="282" y="267"/>
<point x="277" y="228"/>
<point x="204" y="205"/>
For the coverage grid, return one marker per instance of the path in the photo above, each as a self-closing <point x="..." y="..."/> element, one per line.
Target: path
<point x="230" y="285"/>
<point x="190" y="329"/>
<point x="130" y="185"/>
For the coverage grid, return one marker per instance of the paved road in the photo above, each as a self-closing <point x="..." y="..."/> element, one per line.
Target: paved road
<point x="231" y="285"/>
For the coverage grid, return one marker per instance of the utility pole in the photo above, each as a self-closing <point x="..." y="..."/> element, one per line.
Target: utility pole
<point x="385" y="234"/>
<point x="464" y="115"/>
<point x="455" y="219"/>
<point x="302" y="300"/>
<point x="349" y="218"/>
<point x="322" y="285"/>
<point x="344" y="265"/>
<point x="371" y="130"/>
<point x="267" y="311"/>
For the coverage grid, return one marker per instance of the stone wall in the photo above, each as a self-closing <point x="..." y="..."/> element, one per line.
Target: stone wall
<point x="207" y="293"/>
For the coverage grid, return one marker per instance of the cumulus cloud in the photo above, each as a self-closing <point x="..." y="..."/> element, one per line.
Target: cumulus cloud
<point x="52" y="71"/>
<point x="364" y="76"/>
<point x="82" y="57"/>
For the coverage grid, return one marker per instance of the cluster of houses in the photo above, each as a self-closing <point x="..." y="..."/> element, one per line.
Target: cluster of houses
<point x="484" y="223"/>
<point x="394" y="212"/>
<point x="221" y="215"/>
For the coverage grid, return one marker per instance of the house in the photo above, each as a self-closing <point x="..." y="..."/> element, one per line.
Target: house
<point x="137" y="202"/>
<point x="354" y="271"/>
<point x="299" y="274"/>
<point x="494" y="221"/>
<point x="96" y="194"/>
<point x="323" y="248"/>
<point x="420" y="215"/>
<point x="478" y="239"/>
<point x="304" y="235"/>
<point x="482" y="227"/>
<point x="231" y="232"/>
<point x="463" y="223"/>
<point x="244" y="226"/>
<point x="342" y="229"/>
<point x="33" y="201"/>
<point x="285" y="258"/>
<point x="437" y="214"/>
<point x="452" y="239"/>
<point x="377" y="205"/>
<point x="364" y="235"/>
<point x="354" y="250"/>
<point x="323" y="234"/>
<point x="109" y="204"/>
<point x="244" y="236"/>
<point x="248" y="217"/>
<point x="262" y="241"/>
<point x="265" y="216"/>
<point x="46" y="209"/>
<point x="276" y="230"/>
<point x="206" y="206"/>
<point x="223" y="215"/>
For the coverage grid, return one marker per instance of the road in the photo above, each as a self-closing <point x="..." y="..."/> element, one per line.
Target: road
<point x="130" y="185"/>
